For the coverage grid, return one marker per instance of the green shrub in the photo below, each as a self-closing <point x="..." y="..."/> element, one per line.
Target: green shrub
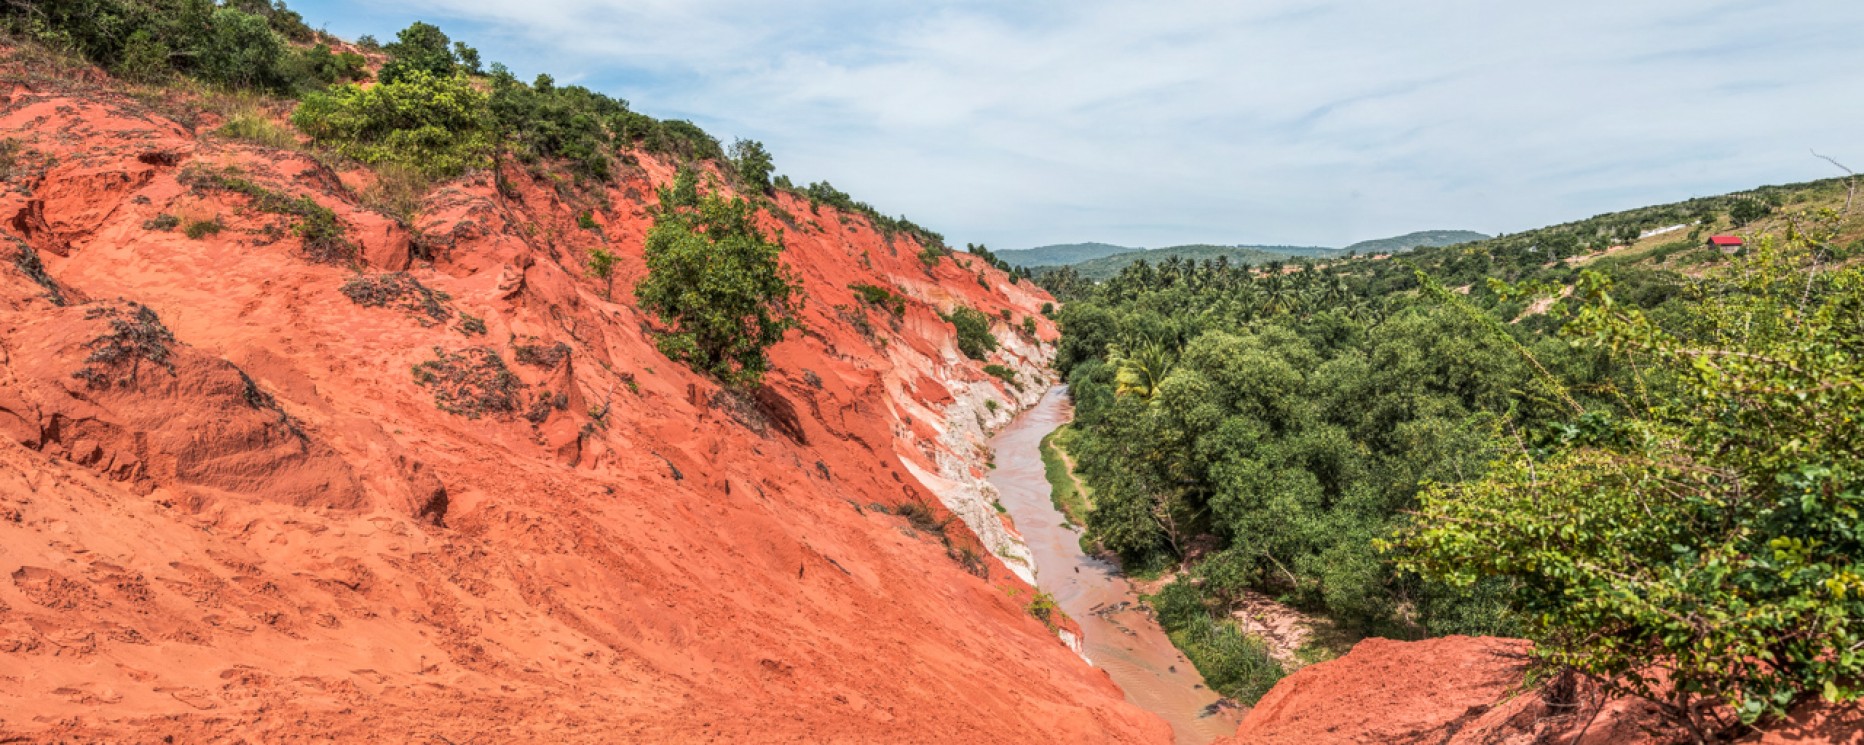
<point x="880" y="297"/>
<point x="316" y="225"/>
<point x="1710" y="531"/>
<point x="974" y="337"/>
<point x="544" y="120"/>
<point x="1003" y="373"/>
<point x="1044" y="608"/>
<point x="440" y="126"/>
<point x="163" y="222"/>
<point x="471" y="325"/>
<point x="931" y="255"/>
<point x="718" y="282"/>
<point x="242" y="50"/>
<point x="602" y="266"/>
<point x="752" y="164"/>
<point x="201" y="228"/>
<point x="421" y="48"/>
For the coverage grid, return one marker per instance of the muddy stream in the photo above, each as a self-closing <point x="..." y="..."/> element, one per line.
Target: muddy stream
<point x="1120" y="636"/>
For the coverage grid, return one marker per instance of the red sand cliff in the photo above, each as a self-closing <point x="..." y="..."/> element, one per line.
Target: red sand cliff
<point x="1463" y="690"/>
<point x="264" y="527"/>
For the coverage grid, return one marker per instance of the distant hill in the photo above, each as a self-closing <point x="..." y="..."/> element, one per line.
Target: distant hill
<point x="1409" y="241"/>
<point x="1062" y="254"/>
<point x="1103" y="260"/>
<point x="1107" y="266"/>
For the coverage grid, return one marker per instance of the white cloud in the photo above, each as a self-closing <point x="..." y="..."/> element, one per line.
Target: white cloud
<point x="1286" y="122"/>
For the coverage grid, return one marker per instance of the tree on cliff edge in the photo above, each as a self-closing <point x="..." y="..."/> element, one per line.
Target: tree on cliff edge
<point x="716" y="280"/>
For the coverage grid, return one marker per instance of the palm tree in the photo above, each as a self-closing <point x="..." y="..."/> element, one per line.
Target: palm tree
<point x="1139" y="373"/>
<point x="1278" y="295"/>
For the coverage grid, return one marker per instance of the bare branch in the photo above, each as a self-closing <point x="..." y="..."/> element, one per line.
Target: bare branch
<point x="1851" y="178"/>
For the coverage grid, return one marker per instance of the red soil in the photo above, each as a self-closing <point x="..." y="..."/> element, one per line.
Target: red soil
<point x="1472" y="691"/>
<point x="273" y="532"/>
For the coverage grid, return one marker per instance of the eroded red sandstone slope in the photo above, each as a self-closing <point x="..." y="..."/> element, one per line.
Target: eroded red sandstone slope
<point x="228" y="506"/>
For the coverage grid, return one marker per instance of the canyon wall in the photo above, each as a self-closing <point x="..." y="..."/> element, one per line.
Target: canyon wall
<point x="452" y="490"/>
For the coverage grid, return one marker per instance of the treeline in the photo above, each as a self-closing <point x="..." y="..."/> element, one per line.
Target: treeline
<point x="1647" y="475"/>
<point x="239" y="43"/>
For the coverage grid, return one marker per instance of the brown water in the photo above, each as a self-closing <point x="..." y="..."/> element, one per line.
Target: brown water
<point x="1120" y="636"/>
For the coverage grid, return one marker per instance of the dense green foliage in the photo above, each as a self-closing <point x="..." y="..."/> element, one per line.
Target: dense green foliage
<point x="717" y="281"/>
<point x="974" y="337"/>
<point x="245" y="44"/>
<point x="437" y="125"/>
<point x="752" y="164"/>
<point x="1017" y="273"/>
<point x="1703" y="542"/>
<point x="1651" y="475"/>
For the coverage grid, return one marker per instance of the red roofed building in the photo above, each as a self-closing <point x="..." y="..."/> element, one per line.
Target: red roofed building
<point x="1727" y="244"/>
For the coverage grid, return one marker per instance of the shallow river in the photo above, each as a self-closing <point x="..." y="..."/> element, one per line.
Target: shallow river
<point x="1121" y="637"/>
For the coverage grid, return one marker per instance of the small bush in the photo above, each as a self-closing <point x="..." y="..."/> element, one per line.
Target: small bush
<point x="1003" y="373"/>
<point x="198" y="229"/>
<point x="10" y="149"/>
<point x="586" y="221"/>
<point x="136" y="336"/>
<point x="974" y="337"/>
<point x="163" y="222"/>
<point x="931" y="255"/>
<point x="991" y="404"/>
<point x="880" y="297"/>
<point x="471" y="325"/>
<point x="921" y="517"/>
<point x="1029" y="326"/>
<point x="402" y="291"/>
<point x="1044" y="609"/>
<point x="538" y="355"/>
<point x="470" y="383"/>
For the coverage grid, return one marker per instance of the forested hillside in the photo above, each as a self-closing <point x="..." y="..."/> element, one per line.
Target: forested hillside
<point x="1409" y="241"/>
<point x="1638" y="452"/>
<point x="1062" y="254"/>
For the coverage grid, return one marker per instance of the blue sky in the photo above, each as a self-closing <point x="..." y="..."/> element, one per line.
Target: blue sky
<point x="1151" y="124"/>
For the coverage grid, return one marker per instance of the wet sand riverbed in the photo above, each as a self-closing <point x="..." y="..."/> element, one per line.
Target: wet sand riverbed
<point x="1120" y="636"/>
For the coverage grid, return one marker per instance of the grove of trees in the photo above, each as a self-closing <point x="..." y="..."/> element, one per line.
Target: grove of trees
<point x="1653" y="477"/>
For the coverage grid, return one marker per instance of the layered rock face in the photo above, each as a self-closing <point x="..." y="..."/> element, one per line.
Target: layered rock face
<point x="447" y="490"/>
